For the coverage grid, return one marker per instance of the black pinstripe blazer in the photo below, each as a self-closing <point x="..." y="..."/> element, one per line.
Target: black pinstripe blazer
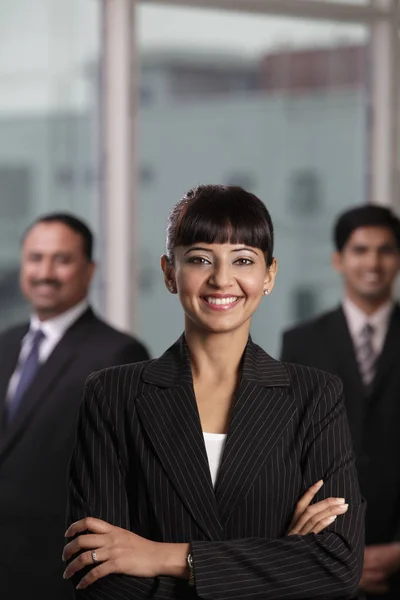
<point x="140" y="462"/>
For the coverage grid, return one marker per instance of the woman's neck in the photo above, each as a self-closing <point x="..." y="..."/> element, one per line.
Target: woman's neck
<point x="216" y="355"/>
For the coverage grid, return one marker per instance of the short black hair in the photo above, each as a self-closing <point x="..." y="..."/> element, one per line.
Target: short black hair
<point x="368" y="215"/>
<point x="68" y="219"/>
<point x="218" y="214"/>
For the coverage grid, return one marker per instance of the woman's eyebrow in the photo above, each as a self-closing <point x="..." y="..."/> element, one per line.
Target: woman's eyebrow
<point x="197" y="249"/>
<point x="245" y="248"/>
<point x="202" y="249"/>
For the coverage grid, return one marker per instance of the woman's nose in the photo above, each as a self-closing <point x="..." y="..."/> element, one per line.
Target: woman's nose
<point x="221" y="276"/>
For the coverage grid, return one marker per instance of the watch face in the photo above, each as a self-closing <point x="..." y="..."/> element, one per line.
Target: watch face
<point x="190" y="560"/>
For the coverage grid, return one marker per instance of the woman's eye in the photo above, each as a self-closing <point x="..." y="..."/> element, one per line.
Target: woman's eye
<point x="198" y="260"/>
<point x="244" y="261"/>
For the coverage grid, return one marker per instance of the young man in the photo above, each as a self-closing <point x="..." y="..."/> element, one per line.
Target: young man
<point x="360" y="342"/>
<point x="43" y="367"/>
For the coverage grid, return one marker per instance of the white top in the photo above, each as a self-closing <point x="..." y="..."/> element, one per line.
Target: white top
<point x="357" y="319"/>
<point x="214" y="445"/>
<point x="53" y="330"/>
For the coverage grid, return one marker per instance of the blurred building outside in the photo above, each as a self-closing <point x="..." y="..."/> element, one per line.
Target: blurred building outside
<point x="290" y="123"/>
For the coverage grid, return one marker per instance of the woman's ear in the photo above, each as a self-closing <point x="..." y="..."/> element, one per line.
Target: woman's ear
<point x="169" y="274"/>
<point x="269" y="280"/>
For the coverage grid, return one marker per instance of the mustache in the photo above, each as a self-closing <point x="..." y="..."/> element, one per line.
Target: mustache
<point x="53" y="282"/>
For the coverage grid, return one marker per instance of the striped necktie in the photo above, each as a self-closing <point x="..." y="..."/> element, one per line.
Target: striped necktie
<point x="366" y="355"/>
<point x="28" y="372"/>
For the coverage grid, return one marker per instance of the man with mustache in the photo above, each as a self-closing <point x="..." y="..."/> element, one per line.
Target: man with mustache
<point x="43" y="367"/>
<point x="360" y="342"/>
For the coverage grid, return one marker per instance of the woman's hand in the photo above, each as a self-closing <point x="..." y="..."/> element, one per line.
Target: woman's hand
<point x="314" y="518"/>
<point x="112" y="549"/>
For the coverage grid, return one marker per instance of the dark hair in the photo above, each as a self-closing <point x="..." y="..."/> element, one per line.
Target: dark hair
<point x="73" y="223"/>
<point x="369" y="215"/>
<point x="218" y="214"/>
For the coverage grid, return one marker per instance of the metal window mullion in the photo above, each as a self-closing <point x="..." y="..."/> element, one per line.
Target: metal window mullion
<point x="118" y="120"/>
<point x="384" y="105"/>
<point x="307" y="9"/>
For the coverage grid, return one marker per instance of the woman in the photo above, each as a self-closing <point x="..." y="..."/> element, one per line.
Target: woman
<point x="187" y="469"/>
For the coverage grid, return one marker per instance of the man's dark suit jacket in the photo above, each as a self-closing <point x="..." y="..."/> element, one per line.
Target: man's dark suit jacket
<point x="35" y="451"/>
<point x="374" y="419"/>
<point x="140" y="462"/>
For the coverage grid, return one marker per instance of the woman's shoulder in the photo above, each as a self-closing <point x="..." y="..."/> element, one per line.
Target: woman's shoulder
<point x="309" y="374"/>
<point x="312" y="385"/>
<point x="173" y="366"/>
<point x="120" y="378"/>
<point x="266" y="369"/>
<point x="304" y="385"/>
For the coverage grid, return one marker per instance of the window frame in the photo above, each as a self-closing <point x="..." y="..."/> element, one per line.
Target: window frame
<point x="120" y="106"/>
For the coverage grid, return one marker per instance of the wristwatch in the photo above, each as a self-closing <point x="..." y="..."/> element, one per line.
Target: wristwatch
<point x="191" y="569"/>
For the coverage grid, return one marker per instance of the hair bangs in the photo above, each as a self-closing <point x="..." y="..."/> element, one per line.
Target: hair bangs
<point x="220" y="229"/>
<point x="220" y="215"/>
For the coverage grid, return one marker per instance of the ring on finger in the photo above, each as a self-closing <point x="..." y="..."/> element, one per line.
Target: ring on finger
<point x="94" y="557"/>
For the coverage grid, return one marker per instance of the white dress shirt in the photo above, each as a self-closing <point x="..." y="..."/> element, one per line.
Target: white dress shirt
<point x="53" y="330"/>
<point x="214" y="445"/>
<point x="379" y="320"/>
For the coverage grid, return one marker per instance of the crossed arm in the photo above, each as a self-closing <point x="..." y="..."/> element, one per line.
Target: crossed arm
<point x="118" y="550"/>
<point x="320" y="566"/>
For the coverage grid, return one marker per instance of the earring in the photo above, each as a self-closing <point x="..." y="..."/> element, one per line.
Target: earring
<point x="266" y="292"/>
<point x="171" y="288"/>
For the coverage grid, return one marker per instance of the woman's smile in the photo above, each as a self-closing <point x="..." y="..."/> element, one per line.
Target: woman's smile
<point x="221" y="302"/>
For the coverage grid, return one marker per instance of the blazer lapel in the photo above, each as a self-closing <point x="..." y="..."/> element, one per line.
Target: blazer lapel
<point x="48" y="376"/>
<point x="389" y="354"/>
<point x="9" y="359"/>
<point x="168" y="413"/>
<point x="343" y="349"/>
<point x="262" y="411"/>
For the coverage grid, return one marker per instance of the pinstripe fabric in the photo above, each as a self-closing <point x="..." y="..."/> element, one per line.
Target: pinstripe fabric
<point x="140" y="462"/>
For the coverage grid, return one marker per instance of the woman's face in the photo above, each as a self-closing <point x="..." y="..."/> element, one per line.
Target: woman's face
<point x="219" y="285"/>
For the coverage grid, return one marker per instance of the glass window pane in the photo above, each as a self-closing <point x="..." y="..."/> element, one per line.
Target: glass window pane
<point x="276" y="105"/>
<point x="48" y="124"/>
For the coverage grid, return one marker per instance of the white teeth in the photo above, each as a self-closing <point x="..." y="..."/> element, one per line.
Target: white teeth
<point x="213" y="300"/>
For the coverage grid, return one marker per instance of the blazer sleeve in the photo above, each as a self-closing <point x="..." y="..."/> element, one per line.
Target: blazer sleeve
<point x="322" y="566"/>
<point x="96" y="473"/>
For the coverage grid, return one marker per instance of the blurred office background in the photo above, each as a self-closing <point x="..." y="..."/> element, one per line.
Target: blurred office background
<point x="111" y="109"/>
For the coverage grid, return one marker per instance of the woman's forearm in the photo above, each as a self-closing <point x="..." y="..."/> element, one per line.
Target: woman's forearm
<point x="173" y="560"/>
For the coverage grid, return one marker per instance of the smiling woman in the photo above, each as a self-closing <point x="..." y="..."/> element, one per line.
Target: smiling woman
<point x="219" y="256"/>
<point x="195" y="475"/>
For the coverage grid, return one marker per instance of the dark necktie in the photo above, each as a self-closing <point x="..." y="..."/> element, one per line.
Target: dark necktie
<point x="28" y="372"/>
<point x="366" y="355"/>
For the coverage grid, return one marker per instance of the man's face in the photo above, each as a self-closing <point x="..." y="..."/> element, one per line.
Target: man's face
<point x="55" y="273"/>
<point x="369" y="263"/>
